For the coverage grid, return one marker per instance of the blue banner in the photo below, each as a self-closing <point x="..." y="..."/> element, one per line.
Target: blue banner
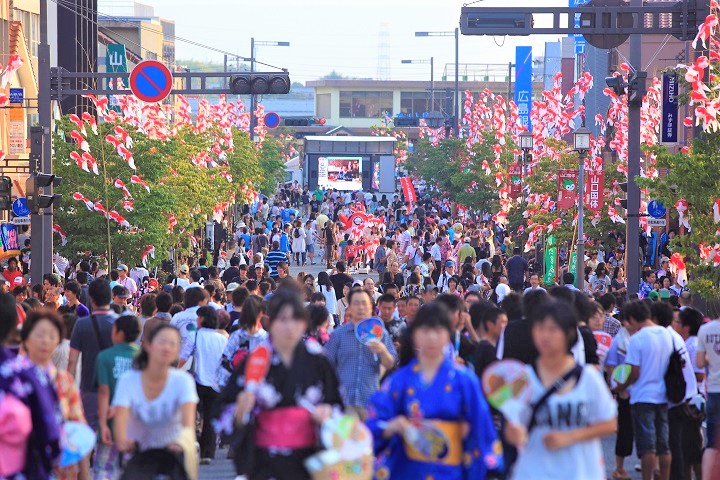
<point x="579" y="39"/>
<point x="523" y="84"/>
<point x="9" y="237"/>
<point x="669" y="129"/>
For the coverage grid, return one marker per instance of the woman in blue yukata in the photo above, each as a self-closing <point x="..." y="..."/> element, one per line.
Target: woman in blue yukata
<point x="429" y="420"/>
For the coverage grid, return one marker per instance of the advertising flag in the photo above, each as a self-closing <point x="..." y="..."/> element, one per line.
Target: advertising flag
<point x="515" y="180"/>
<point x="567" y="188"/>
<point x="595" y="191"/>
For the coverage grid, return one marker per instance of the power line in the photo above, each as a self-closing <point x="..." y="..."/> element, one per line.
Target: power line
<point x="174" y="37"/>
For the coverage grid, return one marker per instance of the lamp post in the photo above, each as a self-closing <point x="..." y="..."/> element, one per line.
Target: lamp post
<point x="581" y="140"/>
<point x="526" y="145"/>
<point x="432" y="78"/>
<point x="253" y="99"/>
<point x="456" y="34"/>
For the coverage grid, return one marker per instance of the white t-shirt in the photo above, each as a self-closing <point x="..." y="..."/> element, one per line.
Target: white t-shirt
<point x="588" y="403"/>
<point x="688" y="372"/>
<point x="709" y="343"/>
<point x="154" y="423"/>
<point x="650" y="350"/>
<point x="209" y="346"/>
<point x="501" y="291"/>
<point x="691" y="344"/>
<point x="182" y="282"/>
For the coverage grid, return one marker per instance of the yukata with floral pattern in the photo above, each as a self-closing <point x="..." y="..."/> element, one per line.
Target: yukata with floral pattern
<point x="72" y="411"/>
<point x="31" y="385"/>
<point x="279" y="399"/>
<point x="451" y="406"/>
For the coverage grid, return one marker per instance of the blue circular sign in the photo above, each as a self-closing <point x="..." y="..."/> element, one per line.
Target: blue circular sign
<point x="656" y="209"/>
<point x="20" y="208"/>
<point x="151" y="81"/>
<point x="272" y="120"/>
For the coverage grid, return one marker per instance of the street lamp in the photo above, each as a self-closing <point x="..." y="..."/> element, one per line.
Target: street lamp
<point x="432" y="79"/>
<point x="526" y="145"/>
<point x="253" y="99"/>
<point x="581" y="140"/>
<point x="456" y="34"/>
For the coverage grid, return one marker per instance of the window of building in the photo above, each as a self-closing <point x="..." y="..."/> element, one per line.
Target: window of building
<point x="31" y="29"/>
<point x="365" y="104"/>
<point x="322" y="105"/>
<point x="418" y="103"/>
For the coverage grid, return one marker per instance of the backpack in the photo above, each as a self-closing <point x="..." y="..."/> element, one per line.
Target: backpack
<point x="674" y="380"/>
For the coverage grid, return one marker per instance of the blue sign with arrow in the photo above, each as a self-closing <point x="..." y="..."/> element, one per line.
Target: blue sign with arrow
<point x="20" y="208"/>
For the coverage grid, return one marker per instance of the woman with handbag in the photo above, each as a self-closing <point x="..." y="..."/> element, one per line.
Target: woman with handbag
<point x="298" y="392"/>
<point x="571" y="410"/>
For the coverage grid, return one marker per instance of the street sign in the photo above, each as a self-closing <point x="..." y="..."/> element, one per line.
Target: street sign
<point x="20" y="221"/>
<point x="523" y="84"/>
<point x="17" y="96"/>
<point x="20" y="208"/>
<point x="272" y="120"/>
<point x="580" y="41"/>
<point x="151" y="81"/>
<point x="656" y="222"/>
<point x="116" y="58"/>
<point x="656" y="209"/>
<point x="670" y="117"/>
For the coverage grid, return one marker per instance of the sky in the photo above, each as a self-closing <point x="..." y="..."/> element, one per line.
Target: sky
<point x="340" y="35"/>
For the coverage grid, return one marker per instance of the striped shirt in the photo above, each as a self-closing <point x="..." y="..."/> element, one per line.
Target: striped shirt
<point x="272" y="259"/>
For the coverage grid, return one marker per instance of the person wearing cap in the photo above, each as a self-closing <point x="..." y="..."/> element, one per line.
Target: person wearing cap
<point x="466" y="251"/>
<point x="182" y="279"/>
<point x="664" y="269"/>
<point x="446" y="276"/>
<point x="125" y="280"/>
<point x="120" y="296"/>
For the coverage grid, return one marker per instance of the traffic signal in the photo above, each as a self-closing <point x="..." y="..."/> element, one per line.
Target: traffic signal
<point x="636" y="87"/>
<point x="406" y="121"/>
<point x="624" y="188"/>
<point x="36" y="200"/>
<point x="617" y="84"/>
<point x="260" y="83"/>
<point x="5" y="192"/>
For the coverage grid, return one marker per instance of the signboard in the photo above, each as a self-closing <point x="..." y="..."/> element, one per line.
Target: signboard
<point x="580" y="41"/>
<point x="550" y="260"/>
<point x="116" y="58"/>
<point x="656" y="209"/>
<point x="515" y="174"/>
<point x="340" y="173"/>
<point x="20" y="220"/>
<point x="20" y="208"/>
<point x="567" y="188"/>
<point x="669" y="128"/>
<point x="572" y="265"/>
<point x="595" y="191"/>
<point x="656" y="222"/>
<point x="17" y="96"/>
<point x="523" y="84"/>
<point x="16" y="130"/>
<point x="9" y="237"/>
<point x="151" y="81"/>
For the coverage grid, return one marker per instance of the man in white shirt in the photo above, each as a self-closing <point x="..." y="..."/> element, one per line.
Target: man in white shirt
<point x="502" y="288"/>
<point x="414" y="252"/>
<point x="126" y="281"/>
<point x="186" y="321"/>
<point x="446" y="276"/>
<point x="534" y="284"/>
<point x="182" y="279"/>
<point x="648" y="354"/>
<point x="708" y="356"/>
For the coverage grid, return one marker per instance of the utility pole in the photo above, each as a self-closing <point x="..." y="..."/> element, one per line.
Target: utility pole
<point x="253" y="99"/>
<point x="457" y="82"/>
<point x="432" y="85"/>
<point x="632" y="240"/>
<point x="41" y="240"/>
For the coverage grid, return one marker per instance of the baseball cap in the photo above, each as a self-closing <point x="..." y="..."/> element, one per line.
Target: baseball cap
<point x="123" y="267"/>
<point x="654" y="295"/>
<point x="259" y="265"/>
<point x="120" y="291"/>
<point x="15" y="428"/>
<point x="184" y="269"/>
<point x="153" y="283"/>
<point x="664" y="259"/>
<point x="449" y="263"/>
<point x="431" y="287"/>
<point x="232" y="287"/>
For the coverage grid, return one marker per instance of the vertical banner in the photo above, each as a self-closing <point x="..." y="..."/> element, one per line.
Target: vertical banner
<point x="669" y="129"/>
<point x="115" y="61"/>
<point x="408" y="189"/>
<point x="572" y="265"/>
<point x="567" y="188"/>
<point x="580" y="41"/>
<point x="523" y="84"/>
<point x="595" y="191"/>
<point x="550" y="260"/>
<point x="515" y="180"/>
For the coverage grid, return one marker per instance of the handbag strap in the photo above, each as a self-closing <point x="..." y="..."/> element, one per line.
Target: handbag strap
<point x="573" y="374"/>
<point x="98" y="337"/>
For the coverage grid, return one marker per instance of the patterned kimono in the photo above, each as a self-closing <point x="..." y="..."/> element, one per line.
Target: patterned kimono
<point x="31" y="385"/>
<point x="72" y="410"/>
<point x="442" y="411"/>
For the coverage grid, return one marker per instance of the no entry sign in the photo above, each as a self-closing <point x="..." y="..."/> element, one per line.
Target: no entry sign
<point x="151" y="81"/>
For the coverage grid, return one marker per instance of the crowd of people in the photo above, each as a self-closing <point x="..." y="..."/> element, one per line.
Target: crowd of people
<point x="158" y="363"/>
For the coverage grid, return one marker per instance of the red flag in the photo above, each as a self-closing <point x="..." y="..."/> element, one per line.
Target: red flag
<point x="408" y="189"/>
<point x="567" y="188"/>
<point x="595" y="191"/>
<point x="515" y="180"/>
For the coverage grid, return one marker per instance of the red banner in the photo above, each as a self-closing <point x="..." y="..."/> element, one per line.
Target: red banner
<point x="595" y="191"/>
<point x="567" y="188"/>
<point x="408" y="190"/>
<point x="515" y="180"/>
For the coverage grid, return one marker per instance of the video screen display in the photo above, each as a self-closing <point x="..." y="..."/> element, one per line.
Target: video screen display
<point x="340" y="173"/>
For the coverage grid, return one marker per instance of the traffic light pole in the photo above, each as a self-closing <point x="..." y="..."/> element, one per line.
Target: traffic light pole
<point x="41" y="240"/>
<point x="253" y="99"/>
<point x="632" y="240"/>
